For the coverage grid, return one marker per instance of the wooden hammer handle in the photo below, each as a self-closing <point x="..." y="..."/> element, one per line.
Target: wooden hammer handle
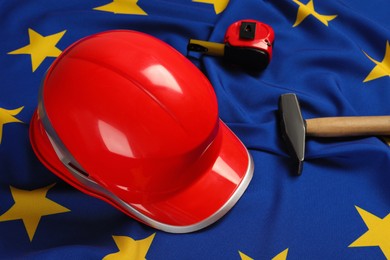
<point x="348" y="126"/>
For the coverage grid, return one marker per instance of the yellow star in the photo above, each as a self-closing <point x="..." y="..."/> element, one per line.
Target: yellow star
<point x="282" y="255"/>
<point x="30" y="206"/>
<point x="219" y="5"/>
<point x="40" y="47"/>
<point x="305" y="10"/>
<point x="244" y="256"/>
<point x="130" y="248"/>
<point x="122" y="7"/>
<point x="382" y="68"/>
<point x="7" y="116"/>
<point x="377" y="233"/>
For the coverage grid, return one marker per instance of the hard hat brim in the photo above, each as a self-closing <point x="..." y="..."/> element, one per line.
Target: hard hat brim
<point x="197" y="206"/>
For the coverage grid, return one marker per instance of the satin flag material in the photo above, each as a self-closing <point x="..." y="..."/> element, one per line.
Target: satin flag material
<point x="335" y="55"/>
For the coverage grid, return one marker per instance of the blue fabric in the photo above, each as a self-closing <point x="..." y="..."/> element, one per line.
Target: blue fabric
<point x="338" y="209"/>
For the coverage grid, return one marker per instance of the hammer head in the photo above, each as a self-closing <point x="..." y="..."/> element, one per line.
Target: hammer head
<point x="293" y="127"/>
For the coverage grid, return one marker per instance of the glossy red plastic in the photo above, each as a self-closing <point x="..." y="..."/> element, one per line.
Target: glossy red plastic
<point x="263" y="38"/>
<point x="141" y="123"/>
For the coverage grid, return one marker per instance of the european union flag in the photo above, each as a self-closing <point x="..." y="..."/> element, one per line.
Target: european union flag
<point x="335" y="55"/>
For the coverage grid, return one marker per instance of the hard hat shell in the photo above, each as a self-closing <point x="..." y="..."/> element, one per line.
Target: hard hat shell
<point x="124" y="117"/>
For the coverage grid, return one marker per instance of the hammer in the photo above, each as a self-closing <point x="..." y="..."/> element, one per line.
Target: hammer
<point x="295" y="128"/>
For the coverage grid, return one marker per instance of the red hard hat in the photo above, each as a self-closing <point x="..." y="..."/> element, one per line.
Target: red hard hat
<point x="126" y="118"/>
